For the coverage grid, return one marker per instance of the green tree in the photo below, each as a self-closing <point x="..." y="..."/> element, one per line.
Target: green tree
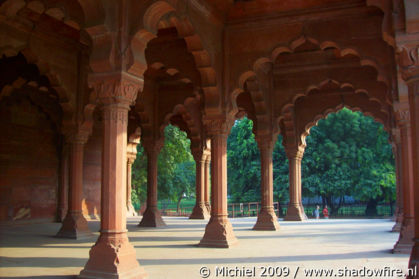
<point x="348" y="154"/>
<point x="280" y="173"/>
<point x="244" y="165"/>
<point x="176" y="168"/>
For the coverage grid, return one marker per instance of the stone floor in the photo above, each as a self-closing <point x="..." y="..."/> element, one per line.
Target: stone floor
<point x="31" y="251"/>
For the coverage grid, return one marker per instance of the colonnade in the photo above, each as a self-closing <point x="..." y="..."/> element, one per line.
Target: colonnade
<point x="118" y="157"/>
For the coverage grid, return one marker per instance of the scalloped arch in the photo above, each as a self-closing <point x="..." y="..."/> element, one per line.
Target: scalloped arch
<point x="166" y="11"/>
<point x="71" y="13"/>
<point x="336" y="109"/>
<point x="291" y="48"/>
<point x="46" y="71"/>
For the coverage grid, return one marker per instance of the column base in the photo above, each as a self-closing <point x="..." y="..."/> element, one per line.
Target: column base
<point x="218" y="233"/>
<point x="208" y="206"/>
<point x="295" y="212"/>
<point x="112" y="257"/>
<point x="62" y="213"/>
<point x="405" y="243"/>
<point x="131" y="210"/>
<point x="74" y="226"/>
<point x="200" y="211"/>
<point x="267" y="221"/>
<point x="399" y="220"/>
<point x="152" y="218"/>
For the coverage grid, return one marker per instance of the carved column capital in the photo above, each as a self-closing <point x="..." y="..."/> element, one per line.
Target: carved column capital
<point x="77" y="137"/>
<point x="115" y="88"/>
<point x="198" y="154"/>
<point x="295" y="152"/>
<point x="218" y="126"/>
<point x="408" y="56"/>
<point x="152" y="146"/>
<point x="266" y="141"/>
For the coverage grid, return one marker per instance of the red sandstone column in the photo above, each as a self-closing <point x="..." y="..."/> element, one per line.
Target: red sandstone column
<point x="152" y="216"/>
<point x="295" y="211"/>
<point x="267" y="220"/>
<point x="413" y="84"/>
<point x="207" y="180"/>
<point x="200" y="210"/>
<point x="399" y="183"/>
<point x="74" y="224"/>
<point x="113" y="256"/>
<point x="405" y="243"/>
<point x="131" y="155"/>
<point x="219" y="231"/>
<point x="63" y="198"/>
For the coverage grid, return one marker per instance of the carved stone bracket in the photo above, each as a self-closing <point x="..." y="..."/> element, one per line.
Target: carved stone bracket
<point x="219" y="125"/>
<point x="266" y="141"/>
<point x="78" y="137"/>
<point x="408" y="56"/>
<point x="131" y="152"/>
<point x="296" y="152"/>
<point x="118" y="87"/>
<point x="152" y="145"/>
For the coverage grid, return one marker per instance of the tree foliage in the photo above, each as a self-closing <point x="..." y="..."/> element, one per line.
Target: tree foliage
<point x="347" y="154"/>
<point x="176" y="169"/>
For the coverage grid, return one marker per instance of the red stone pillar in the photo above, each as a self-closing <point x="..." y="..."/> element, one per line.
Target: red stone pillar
<point x="152" y="216"/>
<point x="200" y="210"/>
<point x="295" y="211"/>
<point x="63" y="195"/>
<point x="405" y="243"/>
<point x="131" y="155"/>
<point x="413" y="85"/>
<point x="74" y="224"/>
<point x="219" y="231"/>
<point x="113" y="256"/>
<point x="399" y="183"/>
<point x="267" y="220"/>
<point x="207" y="180"/>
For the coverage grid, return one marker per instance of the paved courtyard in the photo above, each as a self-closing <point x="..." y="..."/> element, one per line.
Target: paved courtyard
<point x="31" y="251"/>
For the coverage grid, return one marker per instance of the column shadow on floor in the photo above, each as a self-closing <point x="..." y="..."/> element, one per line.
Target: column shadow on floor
<point x="43" y="277"/>
<point x="283" y="259"/>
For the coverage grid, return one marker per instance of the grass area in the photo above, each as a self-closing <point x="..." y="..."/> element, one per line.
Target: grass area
<point x="187" y="205"/>
<point x="172" y="205"/>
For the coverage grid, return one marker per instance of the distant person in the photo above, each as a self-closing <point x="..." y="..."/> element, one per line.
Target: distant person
<point x="316" y="212"/>
<point x="325" y="212"/>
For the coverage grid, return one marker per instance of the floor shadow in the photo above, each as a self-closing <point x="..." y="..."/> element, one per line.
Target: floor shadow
<point x="41" y="262"/>
<point x="282" y="259"/>
<point x="47" y="241"/>
<point x="163" y="238"/>
<point x="176" y="246"/>
<point x="133" y="227"/>
<point x="43" y="277"/>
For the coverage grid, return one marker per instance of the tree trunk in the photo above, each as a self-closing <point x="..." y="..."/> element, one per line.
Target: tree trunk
<point x="178" y="202"/>
<point x="371" y="209"/>
<point x="280" y="210"/>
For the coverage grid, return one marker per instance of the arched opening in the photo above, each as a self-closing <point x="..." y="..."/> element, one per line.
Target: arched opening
<point x="175" y="178"/>
<point x="349" y="166"/>
<point x="244" y="169"/>
<point x="30" y="143"/>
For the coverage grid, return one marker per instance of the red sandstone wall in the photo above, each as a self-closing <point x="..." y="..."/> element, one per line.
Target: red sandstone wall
<point x="29" y="162"/>
<point x="92" y="173"/>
